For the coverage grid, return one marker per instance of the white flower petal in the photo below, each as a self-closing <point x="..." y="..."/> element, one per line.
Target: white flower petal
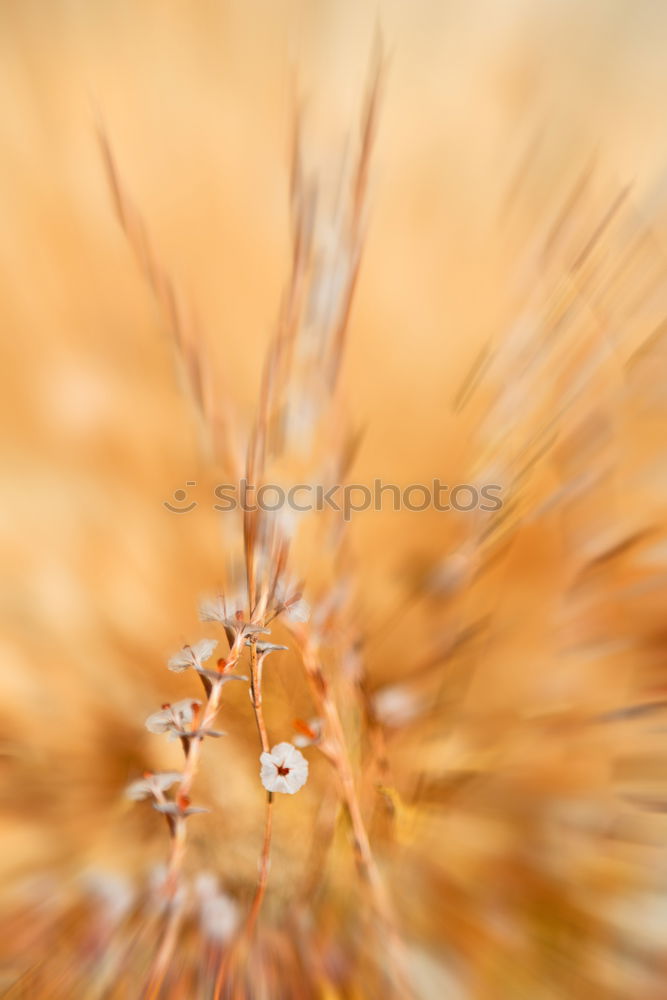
<point x="281" y="785"/>
<point x="270" y="780"/>
<point x="138" y="790"/>
<point x="299" y="611"/>
<point x="397" y="705"/>
<point x="192" y="656"/>
<point x="177" y="663"/>
<point x="219" y="917"/>
<point x="159" y="722"/>
<point x="290" y="603"/>
<point x="181" y="660"/>
<point x="212" y="610"/>
<point x="113" y="893"/>
<point x="294" y="757"/>
<point x="203" y="650"/>
<point x="165" y="779"/>
<point x="296" y="779"/>
<point x="217" y="609"/>
<point x="218" y="912"/>
<point x="184" y="710"/>
<point x="142" y="788"/>
<point x="264" y="648"/>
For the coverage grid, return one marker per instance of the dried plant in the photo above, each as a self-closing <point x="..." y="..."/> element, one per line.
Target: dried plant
<point x="301" y="372"/>
<point x="414" y="758"/>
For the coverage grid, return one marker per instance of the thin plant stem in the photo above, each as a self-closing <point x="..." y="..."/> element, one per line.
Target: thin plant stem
<point x="178" y="828"/>
<point x="339" y="757"/>
<point x="166" y="950"/>
<point x="265" y="856"/>
<point x="256" y="693"/>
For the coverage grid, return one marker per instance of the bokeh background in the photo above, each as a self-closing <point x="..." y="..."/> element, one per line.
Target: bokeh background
<point x="508" y="327"/>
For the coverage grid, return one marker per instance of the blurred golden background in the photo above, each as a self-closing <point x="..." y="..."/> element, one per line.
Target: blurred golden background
<point x="508" y="326"/>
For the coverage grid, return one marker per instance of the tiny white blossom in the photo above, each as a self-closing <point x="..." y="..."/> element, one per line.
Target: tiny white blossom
<point x="309" y="733"/>
<point x="217" y="610"/>
<point x="193" y="656"/>
<point x="397" y="705"/>
<point x="299" y="611"/>
<point x="161" y="898"/>
<point x="174" y="718"/>
<point x="218" y="912"/>
<point x="151" y="784"/>
<point x="291" y="604"/>
<point x="284" y="769"/>
<point x="113" y="892"/>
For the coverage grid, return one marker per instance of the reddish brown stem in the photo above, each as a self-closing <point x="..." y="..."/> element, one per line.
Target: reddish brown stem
<point x="179" y="829"/>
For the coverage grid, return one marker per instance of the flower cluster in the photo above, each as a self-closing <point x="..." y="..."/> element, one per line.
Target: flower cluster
<point x="284" y="768"/>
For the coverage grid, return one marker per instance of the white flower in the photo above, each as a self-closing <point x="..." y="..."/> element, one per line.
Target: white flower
<point x="284" y="769"/>
<point x="299" y="611"/>
<point x="291" y="604"/>
<point x="218" y="913"/>
<point x="193" y="656"/>
<point x="151" y="784"/>
<point x="113" y="892"/>
<point x="173" y="719"/>
<point x="217" y="610"/>
<point x="308" y="733"/>
<point x="397" y="705"/>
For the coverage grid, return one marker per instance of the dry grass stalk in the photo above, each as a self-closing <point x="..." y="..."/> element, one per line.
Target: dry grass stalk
<point x="315" y="310"/>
